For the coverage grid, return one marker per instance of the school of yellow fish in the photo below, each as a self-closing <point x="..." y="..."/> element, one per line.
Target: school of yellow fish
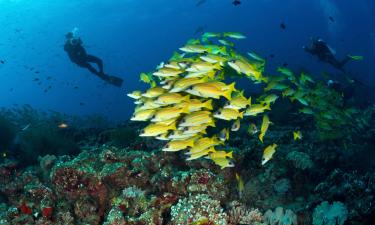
<point x="188" y="99"/>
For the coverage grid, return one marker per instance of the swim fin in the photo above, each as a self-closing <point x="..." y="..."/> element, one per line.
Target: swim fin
<point x="116" y="81"/>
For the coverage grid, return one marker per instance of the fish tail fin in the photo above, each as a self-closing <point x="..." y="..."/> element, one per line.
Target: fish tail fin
<point x="232" y="86"/>
<point x="241" y="115"/>
<point x="186" y="98"/>
<point x="172" y="126"/>
<point x="211" y="123"/>
<point x="228" y="94"/>
<point x="230" y="154"/>
<point x="208" y="104"/>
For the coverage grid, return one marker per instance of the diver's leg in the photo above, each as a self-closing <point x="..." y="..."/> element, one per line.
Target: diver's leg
<point x="94" y="59"/>
<point x="94" y="71"/>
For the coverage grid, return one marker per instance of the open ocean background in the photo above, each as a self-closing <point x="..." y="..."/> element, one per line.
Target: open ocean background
<point x="133" y="36"/>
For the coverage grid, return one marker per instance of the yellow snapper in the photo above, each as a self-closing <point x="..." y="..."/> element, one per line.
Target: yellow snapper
<point x="220" y="154"/>
<point x="171" y="98"/>
<point x="252" y="129"/>
<point x="235" y="35"/>
<point x="195" y="129"/>
<point x="238" y="102"/>
<point x="206" y="90"/>
<point x="155" y="129"/>
<point x="177" y="145"/>
<point x="148" y="104"/>
<point x="184" y="83"/>
<point x="246" y="68"/>
<point x="297" y="135"/>
<point x="179" y="135"/>
<point x="265" y="124"/>
<point x="211" y="58"/>
<point x="240" y="185"/>
<point x="204" y="143"/>
<point x="167" y="72"/>
<point x="223" y="162"/>
<point x="154" y="92"/>
<point x="288" y="92"/>
<point x="200" y="154"/>
<point x="256" y="109"/>
<point x="143" y="115"/>
<point x="269" y="99"/>
<point x="224" y="134"/>
<point x="268" y="153"/>
<point x="274" y="85"/>
<point x="304" y="78"/>
<point x="168" y="113"/>
<point x="194" y="48"/>
<point x="196" y="119"/>
<point x="135" y="94"/>
<point x="228" y="114"/>
<point x="203" y="67"/>
<point x="236" y="125"/>
<point x="195" y="105"/>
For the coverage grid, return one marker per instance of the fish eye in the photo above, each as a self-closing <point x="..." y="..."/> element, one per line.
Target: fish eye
<point x="142" y="131"/>
<point x="183" y="120"/>
<point x="167" y="145"/>
<point x="186" y="128"/>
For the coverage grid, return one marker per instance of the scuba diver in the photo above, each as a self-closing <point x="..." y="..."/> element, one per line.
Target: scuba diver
<point x="77" y="54"/>
<point x="325" y="53"/>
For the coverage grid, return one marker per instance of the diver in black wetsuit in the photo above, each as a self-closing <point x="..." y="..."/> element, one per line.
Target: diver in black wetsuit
<point x="77" y="54"/>
<point x="325" y="54"/>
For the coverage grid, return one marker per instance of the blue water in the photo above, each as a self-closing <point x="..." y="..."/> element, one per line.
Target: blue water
<point x="133" y="36"/>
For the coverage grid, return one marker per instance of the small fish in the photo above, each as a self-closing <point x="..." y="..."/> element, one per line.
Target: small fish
<point x="223" y="162"/>
<point x="265" y="124"/>
<point x="177" y="145"/>
<point x="76" y="87"/>
<point x="356" y="57"/>
<point x="331" y="19"/>
<point x="240" y="185"/>
<point x="63" y="126"/>
<point x="235" y="35"/>
<point x="282" y="26"/>
<point x="2" y="61"/>
<point x="228" y="114"/>
<point x="146" y="77"/>
<point x="37" y="72"/>
<point x="204" y="143"/>
<point x="306" y="110"/>
<point x="143" y="115"/>
<point x="238" y="102"/>
<point x="155" y="129"/>
<point x="171" y="98"/>
<point x="236" y="2"/>
<point x="36" y="79"/>
<point x="297" y="135"/>
<point x="220" y="154"/>
<point x="256" y="57"/>
<point x="26" y="127"/>
<point x="169" y="113"/>
<point x="252" y="129"/>
<point x="236" y="125"/>
<point x="81" y="103"/>
<point x="207" y="90"/>
<point x="135" y="94"/>
<point x="154" y="92"/>
<point x="256" y="109"/>
<point x="196" y="119"/>
<point x="201" y="154"/>
<point x="268" y="153"/>
<point x="269" y="99"/>
<point x="226" y="42"/>
<point x="224" y="134"/>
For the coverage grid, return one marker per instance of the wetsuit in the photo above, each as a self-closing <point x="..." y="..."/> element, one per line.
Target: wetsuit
<point x="326" y="54"/>
<point x="77" y="54"/>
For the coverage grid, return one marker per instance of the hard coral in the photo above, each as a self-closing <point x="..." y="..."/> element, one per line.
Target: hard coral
<point x="198" y="207"/>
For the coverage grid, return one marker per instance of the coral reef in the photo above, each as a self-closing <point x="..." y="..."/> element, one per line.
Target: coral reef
<point x="330" y="214"/>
